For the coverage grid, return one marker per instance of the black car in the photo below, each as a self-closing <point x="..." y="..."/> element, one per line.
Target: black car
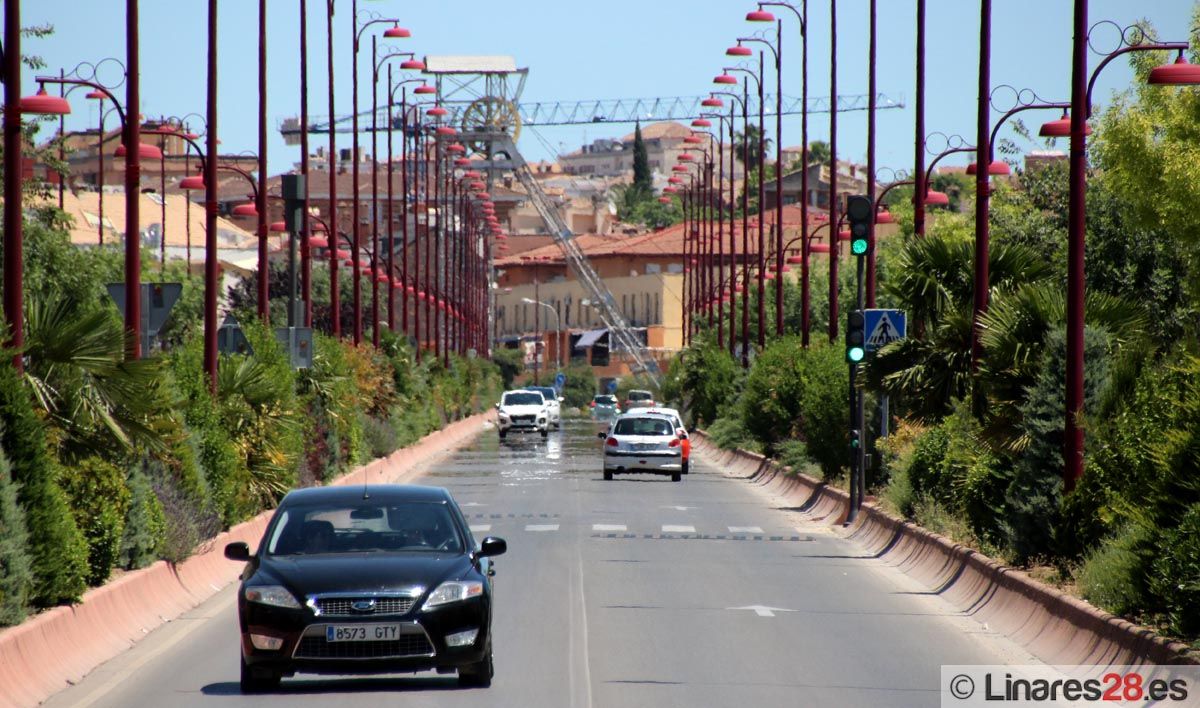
<point x="378" y="579"/>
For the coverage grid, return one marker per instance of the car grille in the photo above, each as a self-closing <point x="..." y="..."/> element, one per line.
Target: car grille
<point x="406" y="645"/>
<point x="522" y="419"/>
<point x="344" y="606"/>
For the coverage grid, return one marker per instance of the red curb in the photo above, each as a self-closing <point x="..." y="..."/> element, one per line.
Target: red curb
<point x="1054" y="627"/>
<point x="56" y="648"/>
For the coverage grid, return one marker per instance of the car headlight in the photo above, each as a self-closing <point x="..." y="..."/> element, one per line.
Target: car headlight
<point x="453" y="591"/>
<point x="274" y="595"/>
<point x="503" y="415"/>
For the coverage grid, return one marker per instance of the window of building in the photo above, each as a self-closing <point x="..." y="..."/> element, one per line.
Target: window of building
<point x="658" y="318"/>
<point x="674" y="267"/>
<point x="652" y="268"/>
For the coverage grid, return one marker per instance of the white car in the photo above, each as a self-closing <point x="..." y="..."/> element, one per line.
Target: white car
<point x="553" y="404"/>
<point x="643" y="442"/>
<point x="522" y="411"/>
<point x="677" y="420"/>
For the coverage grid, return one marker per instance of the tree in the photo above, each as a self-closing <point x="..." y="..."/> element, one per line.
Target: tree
<point x="751" y="139"/>
<point x="819" y="153"/>
<point x="642" y="181"/>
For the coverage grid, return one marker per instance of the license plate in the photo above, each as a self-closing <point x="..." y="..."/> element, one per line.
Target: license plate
<point x="645" y="446"/>
<point x="362" y="632"/>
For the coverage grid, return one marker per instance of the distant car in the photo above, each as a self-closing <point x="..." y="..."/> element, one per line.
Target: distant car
<point x="639" y="399"/>
<point x="604" y="407"/>
<point x="683" y="434"/>
<point x="522" y="411"/>
<point x="642" y="442"/>
<point x="553" y="404"/>
<point x="353" y="580"/>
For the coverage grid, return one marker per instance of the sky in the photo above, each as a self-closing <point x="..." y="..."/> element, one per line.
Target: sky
<point x="578" y="50"/>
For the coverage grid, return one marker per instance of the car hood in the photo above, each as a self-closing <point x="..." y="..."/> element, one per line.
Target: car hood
<point x="521" y="410"/>
<point x="368" y="572"/>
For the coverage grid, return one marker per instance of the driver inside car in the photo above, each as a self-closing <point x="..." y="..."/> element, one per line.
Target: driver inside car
<point x="420" y="527"/>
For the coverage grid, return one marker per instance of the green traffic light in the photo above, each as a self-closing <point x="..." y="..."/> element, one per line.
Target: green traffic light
<point x="858" y="247"/>
<point x="855" y="354"/>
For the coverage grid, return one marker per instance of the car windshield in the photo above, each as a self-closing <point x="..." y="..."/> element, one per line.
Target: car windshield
<point x="605" y="400"/>
<point x="548" y="393"/>
<point x="364" y="527"/>
<point x="641" y="396"/>
<point x="644" y="426"/>
<point x="523" y="398"/>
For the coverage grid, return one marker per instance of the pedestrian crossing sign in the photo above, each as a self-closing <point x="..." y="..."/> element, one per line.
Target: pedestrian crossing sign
<point x="884" y="327"/>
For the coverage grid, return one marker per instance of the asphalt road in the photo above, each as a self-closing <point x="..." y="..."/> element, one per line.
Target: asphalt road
<point x="636" y="592"/>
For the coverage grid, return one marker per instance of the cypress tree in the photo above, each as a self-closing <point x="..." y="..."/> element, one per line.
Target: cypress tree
<point x="641" y="164"/>
<point x="16" y="575"/>
<point x="57" y="548"/>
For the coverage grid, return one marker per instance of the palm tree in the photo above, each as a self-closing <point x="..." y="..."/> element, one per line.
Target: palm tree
<point x="751" y="139"/>
<point x="819" y="153"/>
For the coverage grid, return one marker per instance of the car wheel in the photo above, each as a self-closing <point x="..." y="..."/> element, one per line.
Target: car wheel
<point x="546" y="433"/>
<point x="503" y="434"/>
<point x="607" y="475"/>
<point x="479" y="674"/>
<point x="251" y="683"/>
<point x="676" y="476"/>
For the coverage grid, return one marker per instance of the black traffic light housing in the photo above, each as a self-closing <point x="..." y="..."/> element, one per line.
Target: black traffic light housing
<point x="860" y="212"/>
<point x="856" y="336"/>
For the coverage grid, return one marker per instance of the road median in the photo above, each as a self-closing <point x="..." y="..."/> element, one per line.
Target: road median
<point x="1053" y="626"/>
<point x="56" y="648"/>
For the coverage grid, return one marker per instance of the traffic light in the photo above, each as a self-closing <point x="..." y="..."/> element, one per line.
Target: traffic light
<point x="860" y="211"/>
<point x="856" y="336"/>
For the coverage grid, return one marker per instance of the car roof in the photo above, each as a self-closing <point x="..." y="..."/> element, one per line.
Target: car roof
<point x="664" y="411"/>
<point x="351" y="493"/>
<point x="523" y="390"/>
<point x="643" y="413"/>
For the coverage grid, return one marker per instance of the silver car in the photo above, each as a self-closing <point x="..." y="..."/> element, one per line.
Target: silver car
<point x="638" y="442"/>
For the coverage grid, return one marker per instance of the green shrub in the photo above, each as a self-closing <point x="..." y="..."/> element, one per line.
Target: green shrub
<point x="1112" y="576"/>
<point x="730" y="433"/>
<point x="99" y="500"/>
<point x="379" y="435"/>
<point x="794" y="454"/>
<point x="16" y="571"/>
<point x="773" y="397"/>
<point x="57" y="548"/>
<point x="1174" y="580"/>
<point x="580" y="386"/>
<point x="511" y="363"/>
<point x="924" y="470"/>
<point x="824" y="407"/>
<point x="708" y="385"/>
<point x="145" y="523"/>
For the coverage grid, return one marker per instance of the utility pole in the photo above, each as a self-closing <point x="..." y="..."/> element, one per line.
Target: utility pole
<point x="860" y="212"/>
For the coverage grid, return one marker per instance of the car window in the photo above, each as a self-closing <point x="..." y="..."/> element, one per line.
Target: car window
<point x="644" y="426"/>
<point x="640" y="396"/>
<point x="365" y="527"/>
<point x="523" y="398"/>
<point x="548" y="393"/>
<point x="608" y="400"/>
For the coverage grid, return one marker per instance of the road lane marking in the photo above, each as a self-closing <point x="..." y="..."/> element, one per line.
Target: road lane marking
<point x="668" y="528"/>
<point x="681" y="508"/>
<point x="745" y="529"/>
<point x="541" y="527"/>
<point x="609" y="527"/>
<point x="761" y="610"/>
<point x="481" y="528"/>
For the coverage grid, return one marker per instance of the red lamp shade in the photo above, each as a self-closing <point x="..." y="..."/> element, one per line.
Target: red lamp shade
<point x="739" y="51"/>
<point x="477" y="185"/>
<point x="794" y="260"/>
<point x="702" y="123"/>
<point x="692" y="140"/>
<point x="670" y="190"/>
<point x="397" y="285"/>
<point x="425" y="90"/>
<point x="278" y="227"/>
<point x="936" y="198"/>
<point x="245" y="210"/>
<point x="413" y="64"/>
<point x="1061" y="128"/>
<point x="145" y="152"/>
<point x="445" y="129"/>
<point x="437" y="112"/>
<point x="193" y="182"/>
<point x="42" y="103"/>
<point x="844" y="235"/>
<point x="759" y="15"/>
<point x="884" y="217"/>
<point x="819" y="248"/>
<point x="462" y="162"/>
<point x="679" y="168"/>
<point x="342" y="253"/>
<point x="456" y="148"/>
<point x="996" y="168"/>
<point x="485" y="195"/>
<point x="472" y="174"/>
<point x="674" y="180"/>
<point x="382" y="278"/>
<point x="96" y="95"/>
<point x="712" y="102"/>
<point x="769" y="276"/>
<point x="318" y="227"/>
<point x="664" y="200"/>
<point x="725" y="79"/>
<point x="1181" y="73"/>
<point x="397" y="33"/>
<point x="686" y="157"/>
<point x="318" y="242"/>
<point x="421" y="295"/>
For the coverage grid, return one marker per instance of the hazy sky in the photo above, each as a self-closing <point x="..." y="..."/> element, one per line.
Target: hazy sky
<point x="591" y="50"/>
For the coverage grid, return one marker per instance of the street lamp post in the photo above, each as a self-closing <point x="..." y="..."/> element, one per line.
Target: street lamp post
<point x="558" y="363"/>
<point x="762" y="332"/>
<point x="834" y="248"/>
<point x="210" y="205"/>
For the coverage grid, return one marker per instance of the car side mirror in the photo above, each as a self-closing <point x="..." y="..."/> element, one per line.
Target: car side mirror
<point x="237" y="551"/>
<point x="497" y="406"/>
<point x="491" y="546"/>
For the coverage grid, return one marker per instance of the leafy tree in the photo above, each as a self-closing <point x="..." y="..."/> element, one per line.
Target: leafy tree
<point x="819" y="153"/>
<point x="99" y="500"/>
<point x="751" y="140"/>
<point x="642" y="180"/>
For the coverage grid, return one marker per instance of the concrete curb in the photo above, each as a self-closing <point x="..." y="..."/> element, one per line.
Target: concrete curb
<point x="1054" y="627"/>
<point x="56" y="648"/>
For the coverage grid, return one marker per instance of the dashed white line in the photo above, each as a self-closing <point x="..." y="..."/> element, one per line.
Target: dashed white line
<point x="609" y="527"/>
<point x="678" y="529"/>
<point x="481" y="528"/>
<point x="541" y="527"/>
<point x="745" y="529"/>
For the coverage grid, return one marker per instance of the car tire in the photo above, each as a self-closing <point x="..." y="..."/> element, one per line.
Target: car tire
<point x="479" y="674"/>
<point x="608" y="475"/>
<point x="503" y="434"/>
<point x="546" y="433"/>
<point x="250" y="683"/>
<point x="676" y="476"/>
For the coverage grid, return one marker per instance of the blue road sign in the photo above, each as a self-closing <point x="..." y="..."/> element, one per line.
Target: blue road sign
<point x="884" y="327"/>
<point x="560" y="380"/>
<point x="612" y="386"/>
